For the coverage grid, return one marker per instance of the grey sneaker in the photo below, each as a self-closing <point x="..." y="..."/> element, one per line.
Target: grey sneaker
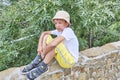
<point x="32" y="65"/>
<point x="34" y="73"/>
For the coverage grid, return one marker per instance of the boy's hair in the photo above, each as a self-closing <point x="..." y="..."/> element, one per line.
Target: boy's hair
<point x="62" y="15"/>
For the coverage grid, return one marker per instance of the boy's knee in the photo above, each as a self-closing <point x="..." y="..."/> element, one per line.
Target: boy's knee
<point x="46" y="36"/>
<point x="47" y="39"/>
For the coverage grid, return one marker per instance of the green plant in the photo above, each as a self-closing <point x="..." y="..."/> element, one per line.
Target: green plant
<point x="95" y="23"/>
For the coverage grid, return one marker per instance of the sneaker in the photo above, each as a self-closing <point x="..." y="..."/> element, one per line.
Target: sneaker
<point x="32" y="65"/>
<point x="27" y="69"/>
<point x="34" y="73"/>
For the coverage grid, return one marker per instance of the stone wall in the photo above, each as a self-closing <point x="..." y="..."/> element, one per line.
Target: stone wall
<point x="97" y="63"/>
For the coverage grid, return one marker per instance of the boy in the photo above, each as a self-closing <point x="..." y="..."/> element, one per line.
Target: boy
<point x="64" y="47"/>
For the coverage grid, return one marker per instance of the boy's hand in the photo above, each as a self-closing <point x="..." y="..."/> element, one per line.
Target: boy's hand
<point x="40" y="51"/>
<point x="43" y="56"/>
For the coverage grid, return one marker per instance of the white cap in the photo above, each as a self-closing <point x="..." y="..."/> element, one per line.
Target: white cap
<point x="62" y="15"/>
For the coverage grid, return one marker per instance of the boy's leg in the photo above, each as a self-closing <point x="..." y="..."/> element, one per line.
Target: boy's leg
<point x="58" y="53"/>
<point x="42" y="67"/>
<point x="33" y="64"/>
<point x="64" y="58"/>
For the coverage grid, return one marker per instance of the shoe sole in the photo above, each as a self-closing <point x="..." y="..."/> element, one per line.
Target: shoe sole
<point x="39" y="75"/>
<point x="24" y="73"/>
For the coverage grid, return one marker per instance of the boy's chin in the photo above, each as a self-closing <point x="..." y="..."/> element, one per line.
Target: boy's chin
<point x="59" y="30"/>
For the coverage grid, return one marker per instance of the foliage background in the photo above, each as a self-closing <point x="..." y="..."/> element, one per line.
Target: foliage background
<point x="95" y="22"/>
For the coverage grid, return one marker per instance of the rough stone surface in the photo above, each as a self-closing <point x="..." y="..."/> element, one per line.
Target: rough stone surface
<point x="98" y="63"/>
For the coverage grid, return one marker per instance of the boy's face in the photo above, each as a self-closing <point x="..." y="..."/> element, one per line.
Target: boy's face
<point x="60" y="24"/>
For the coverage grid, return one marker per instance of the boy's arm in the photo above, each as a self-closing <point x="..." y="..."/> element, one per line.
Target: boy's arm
<point x="41" y="41"/>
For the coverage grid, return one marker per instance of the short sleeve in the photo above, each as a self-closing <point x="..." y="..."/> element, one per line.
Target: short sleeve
<point x="68" y="33"/>
<point x="55" y="32"/>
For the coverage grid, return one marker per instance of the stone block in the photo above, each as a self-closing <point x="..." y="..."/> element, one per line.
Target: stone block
<point x="100" y="63"/>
